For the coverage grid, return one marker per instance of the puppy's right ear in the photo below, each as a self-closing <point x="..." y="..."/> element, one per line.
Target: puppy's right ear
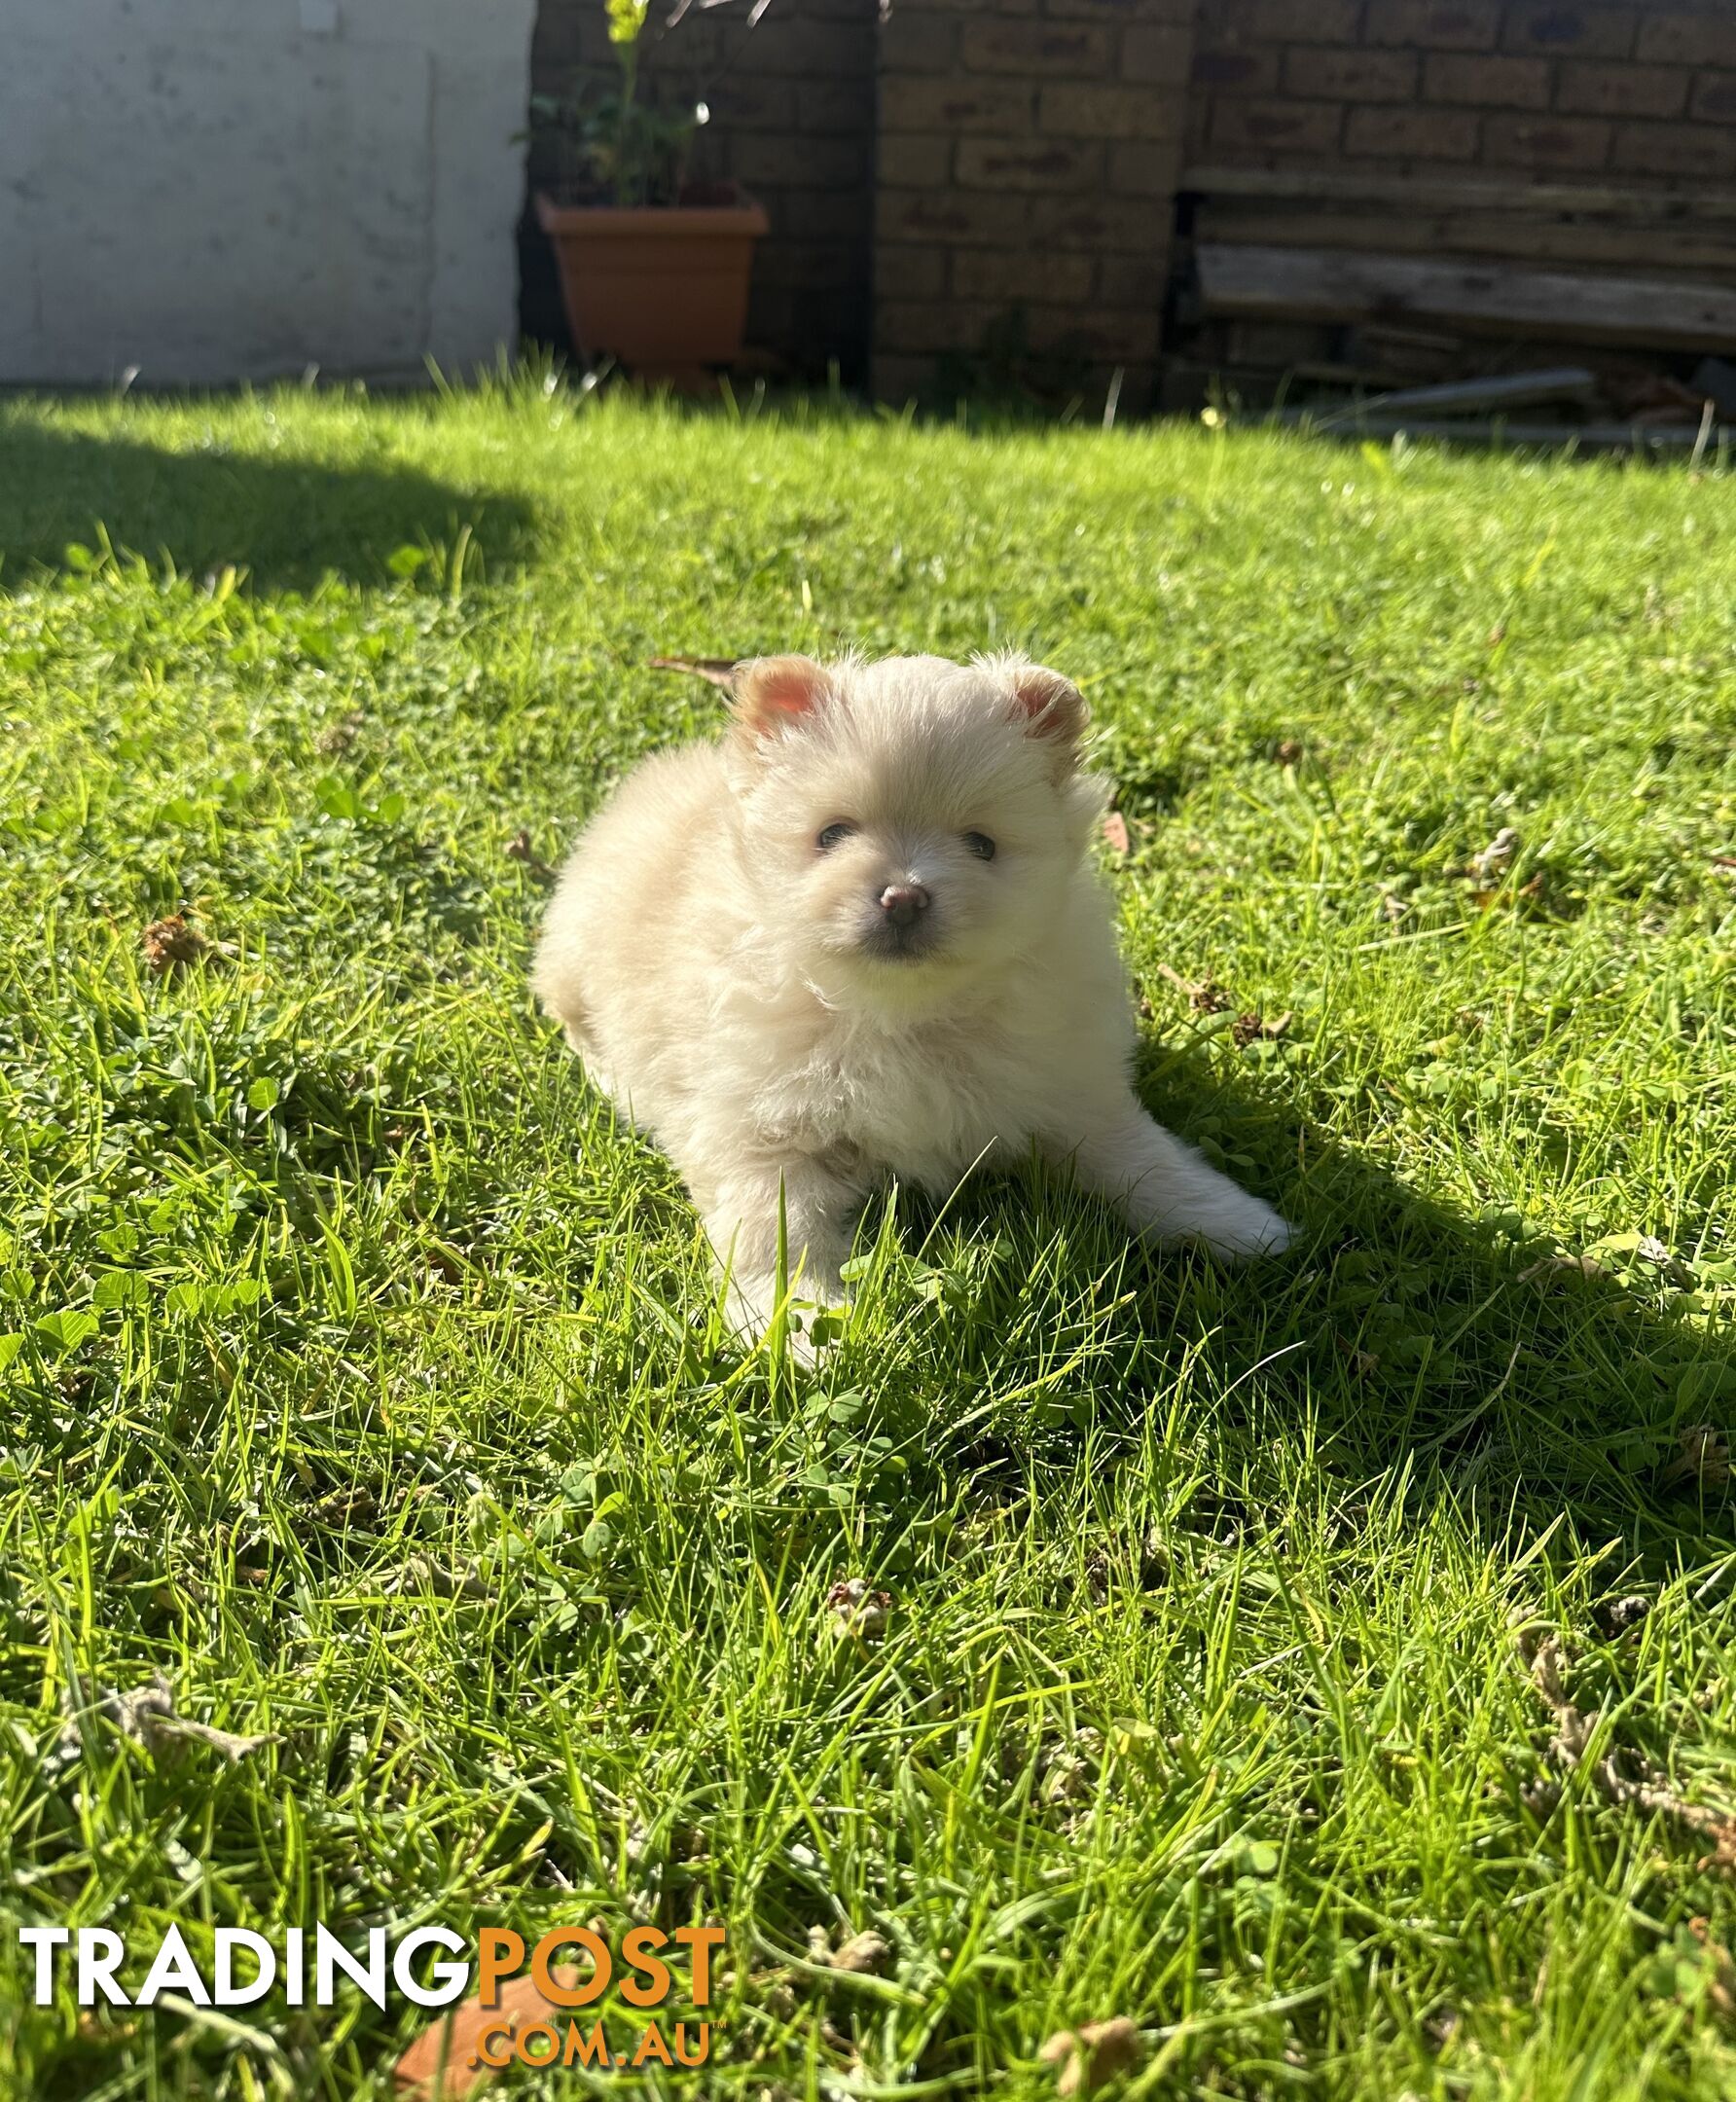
<point x="770" y="695"/>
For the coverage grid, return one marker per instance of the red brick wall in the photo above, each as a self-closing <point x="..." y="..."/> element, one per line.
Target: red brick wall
<point x="931" y="173"/>
<point x="1530" y="87"/>
<point x="1029" y="152"/>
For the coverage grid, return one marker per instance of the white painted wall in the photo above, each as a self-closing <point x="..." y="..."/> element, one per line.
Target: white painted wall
<point x="220" y="190"/>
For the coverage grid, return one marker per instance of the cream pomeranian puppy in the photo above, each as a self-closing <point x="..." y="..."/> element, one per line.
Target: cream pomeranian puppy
<point x="859" y="939"/>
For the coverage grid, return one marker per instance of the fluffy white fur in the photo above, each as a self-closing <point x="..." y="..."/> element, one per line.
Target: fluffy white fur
<point x="741" y="992"/>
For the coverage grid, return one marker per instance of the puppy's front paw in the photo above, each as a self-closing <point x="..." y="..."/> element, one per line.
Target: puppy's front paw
<point x="1241" y="1226"/>
<point x="754" y="1303"/>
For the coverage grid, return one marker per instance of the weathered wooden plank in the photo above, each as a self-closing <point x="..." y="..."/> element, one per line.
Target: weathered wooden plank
<point x="1500" y="391"/>
<point x="1490" y="235"/>
<point x="1324" y="284"/>
<point x="1426" y="193"/>
<point x="1586" y="437"/>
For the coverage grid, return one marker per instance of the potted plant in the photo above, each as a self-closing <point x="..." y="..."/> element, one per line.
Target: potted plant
<point x="654" y="268"/>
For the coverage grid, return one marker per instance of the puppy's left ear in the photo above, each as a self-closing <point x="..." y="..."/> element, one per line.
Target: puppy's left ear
<point x="1053" y="708"/>
<point x="770" y="695"/>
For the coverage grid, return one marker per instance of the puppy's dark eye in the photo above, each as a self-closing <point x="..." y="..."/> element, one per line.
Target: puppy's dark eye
<point x="833" y="833"/>
<point x="980" y="845"/>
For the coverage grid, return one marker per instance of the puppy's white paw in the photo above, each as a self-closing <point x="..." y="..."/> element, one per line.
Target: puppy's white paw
<point x="1241" y="1226"/>
<point x="753" y="1305"/>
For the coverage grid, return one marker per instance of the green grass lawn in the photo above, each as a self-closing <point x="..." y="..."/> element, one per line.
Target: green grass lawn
<point x="362" y="1376"/>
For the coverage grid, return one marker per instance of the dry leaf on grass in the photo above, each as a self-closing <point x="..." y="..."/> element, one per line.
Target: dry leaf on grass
<point x="176" y="944"/>
<point x="519" y="849"/>
<point x="1253" y="1028"/>
<point x="1645" y="1788"/>
<point x="1204" y="996"/>
<point x="1114" y="831"/>
<point x="858" y="1610"/>
<point x="715" y="670"/>
<point x="455" y="2037"/>
<point x="1702" y="1460"/>
<point x="337" y="738"/>
<point x="1494" y="860"/>
<point x="1526" y="894"/>
<point x="423" y="1572"/>
<point x="868" y="1954"/>
<point x="1616" y="1616"/>
<point x="1560" y="1266"/>
<point x="147" y="1716"/>
<point x="1091" y="2056"/>
<point x="346" y="1507"/>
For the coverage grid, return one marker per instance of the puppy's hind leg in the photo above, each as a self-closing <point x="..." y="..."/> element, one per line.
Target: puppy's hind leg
<point x="1165" y="1189"/>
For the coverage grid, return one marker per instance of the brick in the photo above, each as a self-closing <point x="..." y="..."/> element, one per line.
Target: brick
<point x="1266" y="127"/>
<point x="1350" y="76"/>
<point x="1107" y="225"/>
<point x="1004" y="274"/>
<point x="1094" y="109"/>
<point x="1029" y="163"/>
<point x="830" y="108"/>
<point x="955" y="105"/>
<point x="822" y="216"/>
<point x="1579" y="143"/>
<point x="1117" y="337"/>
<point x="1665" y="149"/>
<point x="1177" y="12"/>
<point x="948" y="216"/>
<point x="1435" y="24"/>
<point x="1585" y="32"/>
<point x="899" y="380"/>
<point x="752" y="105"/>
<point x="1133" y="280"/>
<point x="1158" y="52"/>
<point x="972" y="7"/>
<point x="1297" y="21"/>
<point x="1602" y="89"/>
<point x="1714" y="98"/>
<point x="807" y="265"/>
<point x="932" y="325"/>
<point x="1695" y="40"/>
<point x="910" y="273"/>
<point x="802" y="47"/>
<point x="1411" y="133"/>
<point x="1145" y="167"/>
<point x="1487" y="83"/>
<point x="1278" y="346"/>
<point x="1039" y="48"/>
<point x="916" y="160"/>
<point x="817" y="163"/>
<point x="1253" y="71"/>
<point x="917" y="43"/>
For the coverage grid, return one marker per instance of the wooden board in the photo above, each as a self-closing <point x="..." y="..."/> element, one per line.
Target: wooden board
<point x="1583" y="437"/>
<point x="1329" y="284"/>
<point x="1707" y="251"/>
<point x="1390" y="194"/>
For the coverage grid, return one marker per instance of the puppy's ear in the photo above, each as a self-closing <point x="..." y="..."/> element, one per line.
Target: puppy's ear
<point x="770" y="695"/>
<point x="1052" y="708"/>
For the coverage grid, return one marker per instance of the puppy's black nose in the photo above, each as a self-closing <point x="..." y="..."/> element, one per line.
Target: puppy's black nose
<point x="903" y="903"/>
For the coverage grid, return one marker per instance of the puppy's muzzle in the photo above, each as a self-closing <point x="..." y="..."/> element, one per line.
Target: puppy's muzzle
<point x="903" y="904"/>
<point x="900" y="922"/>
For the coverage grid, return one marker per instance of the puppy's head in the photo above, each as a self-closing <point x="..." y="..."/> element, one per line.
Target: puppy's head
<point x="911" y="825"/>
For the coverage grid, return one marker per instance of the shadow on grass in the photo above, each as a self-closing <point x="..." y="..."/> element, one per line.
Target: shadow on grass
<point x="288" y="521"/>
<point x="1406" y="1342"/>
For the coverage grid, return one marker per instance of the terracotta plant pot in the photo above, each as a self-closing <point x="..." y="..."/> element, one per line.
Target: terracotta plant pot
<point x="662" y="288"/>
